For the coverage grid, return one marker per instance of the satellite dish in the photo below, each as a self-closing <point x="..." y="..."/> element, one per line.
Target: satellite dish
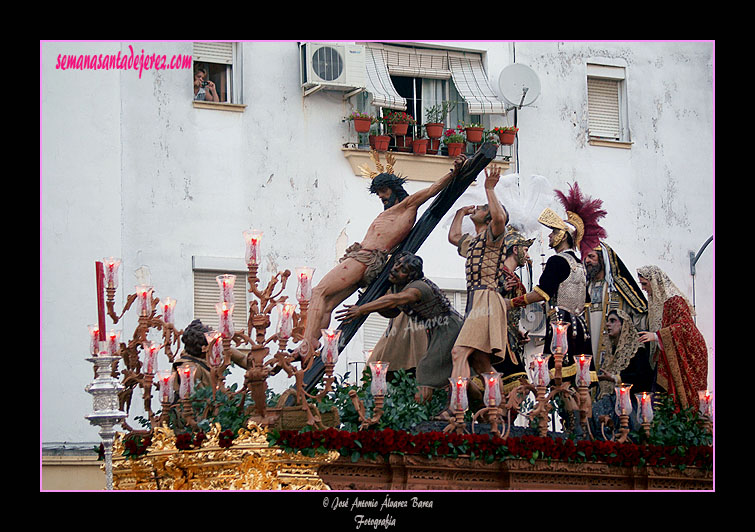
<point x="519" y="85"/>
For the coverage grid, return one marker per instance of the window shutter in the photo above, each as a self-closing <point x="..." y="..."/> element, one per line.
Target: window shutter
<point x="374" y="327"/>
<point x="603" y="108"/>
<point x="472" y="83"/>
<point x="458" y="299"/>
<point x="417" y="63"/>
<point x="213" y="52"/>
<point x="379" y="82"/>
<point x="207" y="294"/>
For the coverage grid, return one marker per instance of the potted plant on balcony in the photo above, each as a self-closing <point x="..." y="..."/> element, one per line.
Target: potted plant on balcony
<point x="419" y="146"/>
<point x="455" y="141"/>
<point x="399" y="122"/>
<point x="435" y="117"/>
<point x="362" y="121"/>
<point x="507" y="134"/>
<point x="474" y="133"/>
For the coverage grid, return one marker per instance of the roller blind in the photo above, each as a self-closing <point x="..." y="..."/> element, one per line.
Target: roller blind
<point x="213" y="52"/>
<point x="603" y="108"/>
<point x="207" y="294"/>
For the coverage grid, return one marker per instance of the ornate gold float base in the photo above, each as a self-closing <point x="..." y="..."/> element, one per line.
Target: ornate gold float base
<point x="249" y="464"/>
<point x="415" y="473"/>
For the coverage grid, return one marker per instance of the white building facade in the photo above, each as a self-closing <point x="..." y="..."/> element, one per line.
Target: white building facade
<point x="133" y="167"/>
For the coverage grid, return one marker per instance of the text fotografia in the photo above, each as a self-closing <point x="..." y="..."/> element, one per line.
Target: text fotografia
<point x="123" y="61"/>
<point x="358" y="505"/>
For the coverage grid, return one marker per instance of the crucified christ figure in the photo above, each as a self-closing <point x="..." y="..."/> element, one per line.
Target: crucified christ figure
<point x="364" y="260"/>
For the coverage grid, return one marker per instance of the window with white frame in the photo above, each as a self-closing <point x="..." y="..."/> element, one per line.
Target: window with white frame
<point x="607" y="103"/>
<point x="414" y="79"/>
<point x="221" y="64"/>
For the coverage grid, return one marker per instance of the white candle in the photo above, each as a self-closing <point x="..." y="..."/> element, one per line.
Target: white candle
<point x="253" y="238"/>
<point x="112" y="339"/>
<point x="329" y="352"/>
<point x="165" y="381"/>
<point x="186" y="372"/>
<point x="215" y="351"/>
<point x="150" y="357"/>
<point x="304" y="289"/>
<point x="285" y="320"/>
<point x="225" y="317"/>
<point x="583" y="370"/>
<point x="110" y="266"/>
<point x="144" y="299"/>
<point x="459" y="399"/>
<point x="226" y="283"/>
<point x="378" y="386"/>
<point x="168" y="307"/>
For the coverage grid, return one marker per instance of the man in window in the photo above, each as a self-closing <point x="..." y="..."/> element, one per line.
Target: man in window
<point x="204" y="89"/>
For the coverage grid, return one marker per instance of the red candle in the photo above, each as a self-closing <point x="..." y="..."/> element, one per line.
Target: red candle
<point x="100" y="299"/>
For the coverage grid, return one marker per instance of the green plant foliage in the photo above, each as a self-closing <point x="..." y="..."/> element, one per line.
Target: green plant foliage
<point x="676" y="426"/>
<point x="400" y="410"/>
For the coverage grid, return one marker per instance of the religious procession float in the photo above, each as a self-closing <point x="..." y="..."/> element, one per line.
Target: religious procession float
<point x="199" y="433"/>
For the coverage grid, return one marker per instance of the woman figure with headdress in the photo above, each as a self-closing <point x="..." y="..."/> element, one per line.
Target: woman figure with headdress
<point x="679" y="348"/>
<point x="624" y="359"/>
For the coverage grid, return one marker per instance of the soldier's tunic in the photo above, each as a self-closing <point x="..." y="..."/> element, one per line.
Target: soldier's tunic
<point x="486" y="323"/>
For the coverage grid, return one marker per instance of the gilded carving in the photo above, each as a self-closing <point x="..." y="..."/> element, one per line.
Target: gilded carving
<point x="249" y="464"/>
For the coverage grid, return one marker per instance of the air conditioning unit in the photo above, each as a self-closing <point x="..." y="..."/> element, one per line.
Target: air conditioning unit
<point x="333" y="66"/>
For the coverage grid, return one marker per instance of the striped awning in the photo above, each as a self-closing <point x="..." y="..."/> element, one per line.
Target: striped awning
<point x="472" y="83"/>
<point x="379" y="82"/>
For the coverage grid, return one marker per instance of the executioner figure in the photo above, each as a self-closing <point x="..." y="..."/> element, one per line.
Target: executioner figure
<point x="430" y="314"/>
<point x="364" y="260"/>
<point x="483" y="337"/>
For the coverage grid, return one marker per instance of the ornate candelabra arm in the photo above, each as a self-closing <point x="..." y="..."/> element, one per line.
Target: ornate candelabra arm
<point x="377" y="410"/>
<point x="494" y="415"/>
<point x="584" y="402"/>
<point x="110" y="303"/>
<point x="606" y="421"/>
<point x="623" y="428"/>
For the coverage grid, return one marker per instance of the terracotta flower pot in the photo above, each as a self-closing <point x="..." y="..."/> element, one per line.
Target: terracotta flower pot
<point x="433" y="146"/>
<point x="400" y="128"/>
<point x="507" y="137"/>
<point x="381" y="142"/>
<point x="474" y="134"/>
<point x="454" y="148"/>
<point x="420" y="146"/>
<point x="362" y="125"/>
<point x="434" y="130"/>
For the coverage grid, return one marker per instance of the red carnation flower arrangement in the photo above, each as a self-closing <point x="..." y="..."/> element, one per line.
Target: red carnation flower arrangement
<point x="374" y="443"/>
